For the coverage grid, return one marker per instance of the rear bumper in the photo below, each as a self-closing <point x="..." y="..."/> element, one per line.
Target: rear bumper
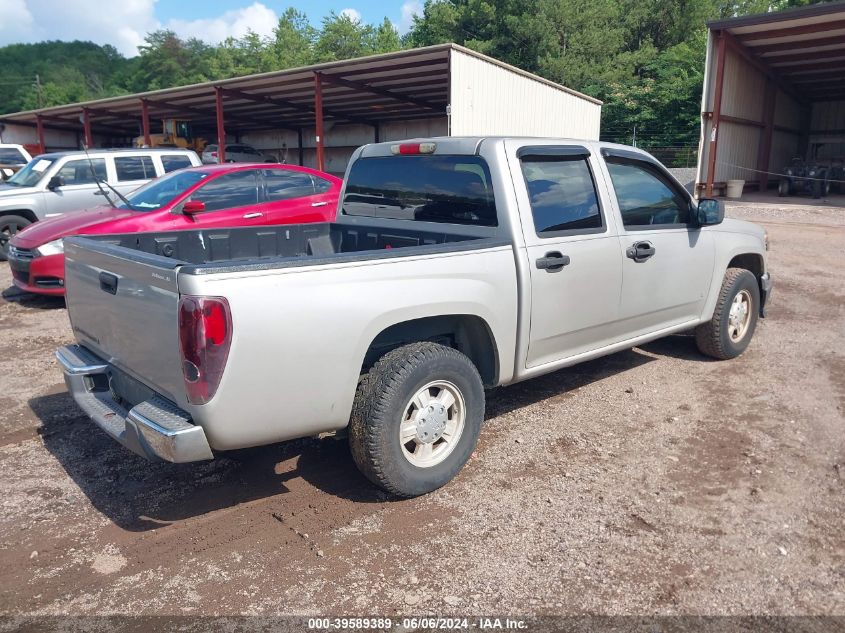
<point x="765" y="293"/>
<point x="44" y="275"/>
<point x="155" y="429"/>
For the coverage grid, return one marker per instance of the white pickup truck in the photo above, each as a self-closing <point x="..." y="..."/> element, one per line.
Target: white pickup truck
<point x="455" y="265"/>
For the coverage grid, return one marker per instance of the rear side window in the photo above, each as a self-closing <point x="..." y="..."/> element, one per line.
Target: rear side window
<point x="282" y="184"/>
<point x="562" y="193"/>
<point x="448" y="189"/>
<point x="321" y="185"/>
<point x="172" y="163"/>
<point x="83" y="171"/>
<point x="134" y="168"/>
<point x="11" y="156"/>
<point x="238" y="189"/>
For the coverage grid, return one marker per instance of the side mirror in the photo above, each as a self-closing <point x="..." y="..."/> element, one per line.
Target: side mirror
<point x="193" y="206"/>
<point x="710" y="212"/>
<point x="55" y="182"/>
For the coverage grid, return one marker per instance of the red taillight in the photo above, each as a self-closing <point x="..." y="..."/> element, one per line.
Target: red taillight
<point x="214" y="154"/>
<point x="205" y="334"/>
<point x="413" y="148"/>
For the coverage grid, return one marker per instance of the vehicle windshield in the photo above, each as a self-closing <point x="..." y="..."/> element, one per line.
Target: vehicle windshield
<point x="159" y="193"/>
<point x="32" y="174"/>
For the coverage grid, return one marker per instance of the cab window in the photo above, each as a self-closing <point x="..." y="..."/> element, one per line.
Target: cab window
<point x="238" y="189"/>
<point x="83" y="171"/>
<point x="134" y="168"/>
<point x="646" y="197"/>
<point x="562" y="194"/>
<point x="174" y="162"/>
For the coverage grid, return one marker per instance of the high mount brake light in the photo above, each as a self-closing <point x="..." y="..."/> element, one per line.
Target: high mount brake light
<point x="205" y="335"/>
<point x="413" y="148"/>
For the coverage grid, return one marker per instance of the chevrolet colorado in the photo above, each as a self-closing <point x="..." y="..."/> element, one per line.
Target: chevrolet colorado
<point x="454" y="265"/>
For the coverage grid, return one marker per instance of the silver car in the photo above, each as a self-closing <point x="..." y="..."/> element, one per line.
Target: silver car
<point x="57" y="183"/>
<point x="235" y="153"/>
<point x="12" y="158"/>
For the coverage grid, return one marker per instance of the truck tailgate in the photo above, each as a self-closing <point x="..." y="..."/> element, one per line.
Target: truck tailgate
<point x="123" y="306"/>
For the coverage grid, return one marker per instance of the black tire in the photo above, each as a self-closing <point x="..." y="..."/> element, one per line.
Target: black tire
<point x="783" y="188"/>
<point x="381" y="402"/>
<point x="713" y="337"/>
<point x="9" y="225"/>
<point x="817" y="189"/>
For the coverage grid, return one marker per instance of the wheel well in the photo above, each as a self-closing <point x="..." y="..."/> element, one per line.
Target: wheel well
<point x="466" y="333"/>
<point x="24" y="213"/>
<point x="749" y="261"/>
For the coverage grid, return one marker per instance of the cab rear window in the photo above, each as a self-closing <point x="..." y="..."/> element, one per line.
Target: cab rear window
<point x="447" y="189"/>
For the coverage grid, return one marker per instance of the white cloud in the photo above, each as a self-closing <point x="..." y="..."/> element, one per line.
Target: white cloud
<point x="123" y="24"/>
<point x="235" y="23"/>
<point x="352" y="14"/>
<point x="409" y="9"/>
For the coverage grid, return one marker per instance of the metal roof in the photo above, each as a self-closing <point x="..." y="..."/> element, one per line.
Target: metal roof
<point x="803" y="46"/>
<point x="403" y="85"/>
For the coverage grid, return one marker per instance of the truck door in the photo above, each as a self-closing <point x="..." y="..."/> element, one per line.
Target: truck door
<point x="667" y="261"/>
<point x="80" y="190"/>
<point x="572" y="249"/>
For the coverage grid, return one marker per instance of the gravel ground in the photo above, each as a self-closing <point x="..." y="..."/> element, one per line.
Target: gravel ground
<point x="649" y="482"/>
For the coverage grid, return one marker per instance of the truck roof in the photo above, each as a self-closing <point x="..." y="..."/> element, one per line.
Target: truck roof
<point x="470" y="145"/>
<point x="119" y="150"/>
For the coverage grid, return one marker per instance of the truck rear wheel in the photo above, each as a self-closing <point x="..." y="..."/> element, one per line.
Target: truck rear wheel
<point x="729" y="331"/>
<point x="416" y="418"/>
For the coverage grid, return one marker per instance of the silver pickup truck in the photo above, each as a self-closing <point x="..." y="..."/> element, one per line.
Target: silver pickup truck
<point x="455" y="265"/>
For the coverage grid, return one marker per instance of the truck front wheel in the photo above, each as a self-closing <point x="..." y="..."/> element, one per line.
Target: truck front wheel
<point x="9" y="226"/>
<point x="729" y="331"/>
<point x="416" y="418"/>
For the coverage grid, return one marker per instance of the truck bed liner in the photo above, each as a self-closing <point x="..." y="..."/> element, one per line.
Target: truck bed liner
<point x="205" y="251"/>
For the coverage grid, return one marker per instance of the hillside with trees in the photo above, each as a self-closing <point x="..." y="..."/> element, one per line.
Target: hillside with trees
<point x="643" y="58"/>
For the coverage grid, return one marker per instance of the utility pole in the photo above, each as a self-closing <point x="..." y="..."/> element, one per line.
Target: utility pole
<point x="39" y="94"/>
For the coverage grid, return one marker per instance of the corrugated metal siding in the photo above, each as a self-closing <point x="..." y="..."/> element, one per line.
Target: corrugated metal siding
<point x="490" y="100"/>
<point x="785" y="146"/>
<point x="788" y="112"/>
<point x="828" y="115"/>
<point x="736" y="155"/>
<point x="743" y="89"/>
<point x="55" y="139"/>
<point x="341" y="140"/>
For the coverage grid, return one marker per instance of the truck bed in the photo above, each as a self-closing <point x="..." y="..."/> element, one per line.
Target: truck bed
<point x="214" y="250"/>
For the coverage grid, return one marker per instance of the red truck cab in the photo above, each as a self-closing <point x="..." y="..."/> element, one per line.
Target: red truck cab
<point x="212" y="196"/>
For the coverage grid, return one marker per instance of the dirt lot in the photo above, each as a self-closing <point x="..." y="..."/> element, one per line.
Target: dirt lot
<point x="649" y="482"/>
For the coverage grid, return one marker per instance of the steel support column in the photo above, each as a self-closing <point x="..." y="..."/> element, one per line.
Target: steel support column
<point x="86" y="124"/>
<point x="39" y="126"/>
<point x="145" y="122"/>
<point x="221" y="130"/>
<point x="717" y="113"/>
<point x="765" y="148"/>
<point x="301" y="149"/>
<point x="318" y="119"/>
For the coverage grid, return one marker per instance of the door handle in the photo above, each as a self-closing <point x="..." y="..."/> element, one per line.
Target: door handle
<point x="640" y="251"/>
<point x="250" y="216"/>
<point x="319" y="204"/>
<point x="108" y="283"/>
<point x="553" y="261"/>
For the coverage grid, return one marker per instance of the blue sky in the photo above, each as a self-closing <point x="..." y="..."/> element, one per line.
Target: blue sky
<point x="124" y="23"/>
<point x="370" y="10"/>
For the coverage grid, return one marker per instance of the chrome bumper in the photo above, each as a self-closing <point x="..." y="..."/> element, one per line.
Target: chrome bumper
<point x="155" y="428"/>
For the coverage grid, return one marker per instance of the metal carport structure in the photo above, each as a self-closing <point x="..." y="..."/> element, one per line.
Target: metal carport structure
<point x="774" y="88"/>
<point x="448" y="89"/>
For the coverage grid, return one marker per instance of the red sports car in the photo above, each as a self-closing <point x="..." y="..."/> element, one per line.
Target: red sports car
<point x="229" y="195"/>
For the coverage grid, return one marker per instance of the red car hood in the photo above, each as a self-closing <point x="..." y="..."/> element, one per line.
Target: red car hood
<point x="74" y="223"/>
